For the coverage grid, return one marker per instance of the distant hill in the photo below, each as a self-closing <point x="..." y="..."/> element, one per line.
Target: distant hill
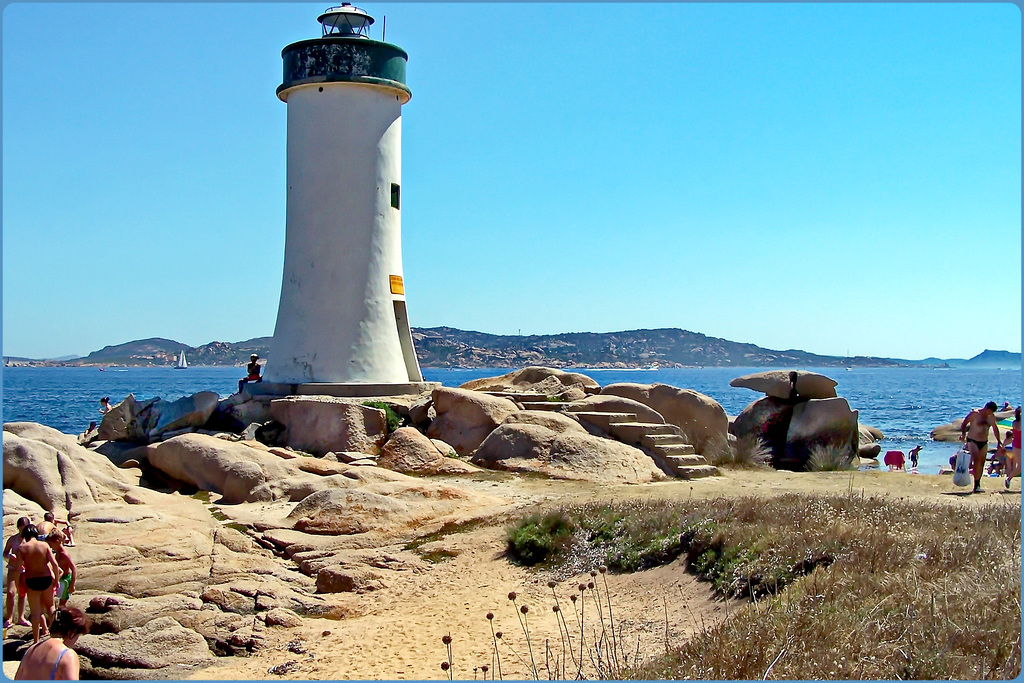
<point x="440" y="347"/>
<point x="994" y="359"/>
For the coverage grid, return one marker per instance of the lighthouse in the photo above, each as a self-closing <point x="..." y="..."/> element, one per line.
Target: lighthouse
<point x="342" y="325"/>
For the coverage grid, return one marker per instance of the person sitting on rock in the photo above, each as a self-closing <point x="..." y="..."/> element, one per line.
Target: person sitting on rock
<point x="253" y="370"/>
<point x="105" y="406"/>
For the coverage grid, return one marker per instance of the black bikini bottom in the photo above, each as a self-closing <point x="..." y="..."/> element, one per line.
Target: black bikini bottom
<point x="39" y="583"/>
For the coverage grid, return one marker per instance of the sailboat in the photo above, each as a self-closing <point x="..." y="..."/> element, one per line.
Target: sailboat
<point x="182" y="363"/>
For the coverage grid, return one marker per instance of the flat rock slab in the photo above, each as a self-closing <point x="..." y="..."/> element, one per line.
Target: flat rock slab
<point x="777" y="383"/>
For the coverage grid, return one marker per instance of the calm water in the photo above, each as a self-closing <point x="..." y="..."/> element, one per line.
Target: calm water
<point x="905" y="403"/>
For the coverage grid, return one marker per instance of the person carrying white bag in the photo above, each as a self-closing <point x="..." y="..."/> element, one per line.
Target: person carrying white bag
<point x="978" y="422"/>
<point x="962" y="468"/>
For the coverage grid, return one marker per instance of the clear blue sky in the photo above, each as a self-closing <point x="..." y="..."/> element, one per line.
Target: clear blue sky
<point x="834" y="178"/>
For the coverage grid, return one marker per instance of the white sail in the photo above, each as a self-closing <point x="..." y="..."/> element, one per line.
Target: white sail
<point x="182" y="363"/>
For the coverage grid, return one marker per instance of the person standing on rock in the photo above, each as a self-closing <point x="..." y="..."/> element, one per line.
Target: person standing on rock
<point x="41" y="570"/>
<point x="68" y="572"/>
<point x="15" y="577"/>
<point x="975" y="430"/>
<point x="49" y="526"/>
<point x="53" y="658"/>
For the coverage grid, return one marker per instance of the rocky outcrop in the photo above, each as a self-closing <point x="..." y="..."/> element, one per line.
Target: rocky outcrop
<point x="777" y="383"/>
<point x="410" y="452"/>
<point x="321" y="424"/>
<point x="465" y="418"/>
<point x="143" y="422"/>
<point x="701" y="418"/>
<point x="793" y="427"/>
<point x="169" y="582"/>
<point x="53" y="471"/>
<point x="538" y="380"/>
<point x="559" y="447"/>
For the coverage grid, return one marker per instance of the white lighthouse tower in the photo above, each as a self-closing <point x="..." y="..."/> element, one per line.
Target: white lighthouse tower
<point x="342" y="326"/>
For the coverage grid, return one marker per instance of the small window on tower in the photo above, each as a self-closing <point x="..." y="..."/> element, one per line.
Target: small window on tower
<point x="396" y="196"/>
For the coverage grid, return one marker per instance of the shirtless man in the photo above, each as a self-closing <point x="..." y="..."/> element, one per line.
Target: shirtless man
<point x="49" y="525"/>
<point x="41" y="570"/>
<point x="68" y="571"/>
<point x="975" y="428"/>
<point x="15" y="579"/>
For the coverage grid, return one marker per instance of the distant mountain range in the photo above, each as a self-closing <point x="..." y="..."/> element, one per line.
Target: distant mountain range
<point x="442" y="347"/>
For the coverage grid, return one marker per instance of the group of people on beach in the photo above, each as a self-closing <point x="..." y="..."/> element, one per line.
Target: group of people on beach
<point x="41" y="571"/>
<point x="974" y="432"/>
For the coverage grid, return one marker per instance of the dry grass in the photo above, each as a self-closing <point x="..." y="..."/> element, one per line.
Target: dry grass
<point x="748" y="452"/>
<point x="830" y="459"/>
<point x="911" y="591"/>
<point x="832" y="586"/>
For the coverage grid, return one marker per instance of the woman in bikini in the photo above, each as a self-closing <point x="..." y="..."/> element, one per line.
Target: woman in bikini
<point x="41" y="570"/>
<point x="52" y="658"/>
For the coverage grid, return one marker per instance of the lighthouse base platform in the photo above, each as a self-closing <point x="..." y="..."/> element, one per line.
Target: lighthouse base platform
<point x="348" y="390"/>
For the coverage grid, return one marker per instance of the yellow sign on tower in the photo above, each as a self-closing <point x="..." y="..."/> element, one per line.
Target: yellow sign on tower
<point x="397" y="286"/>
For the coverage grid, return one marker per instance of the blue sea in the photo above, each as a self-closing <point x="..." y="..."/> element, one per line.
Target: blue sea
<point x="905" y="403"/>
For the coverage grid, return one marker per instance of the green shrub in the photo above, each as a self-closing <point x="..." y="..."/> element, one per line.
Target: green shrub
<point x="393" y="420"/>
<point x="537" y="536"/>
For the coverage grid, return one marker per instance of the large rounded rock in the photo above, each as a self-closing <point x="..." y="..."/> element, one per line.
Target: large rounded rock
<point x="701" y="417"/>
<point x="541" y="380"/>
<point x="159" y="644"/>
<point x="241" y="473"/>
<point x="322" y="424"/>
<point x="52" y="470"/>
<point x="777" y="383"/>
<point x="410" y="452"/>
<point x="820" y="423"/>
<point x="465" y="418"/>
<point x="766" y="419"/>
<point x="564" y="451"/>
<point x="389" y="507"/>
<point x="600" y="403"/>
<point x="949" y="432"/>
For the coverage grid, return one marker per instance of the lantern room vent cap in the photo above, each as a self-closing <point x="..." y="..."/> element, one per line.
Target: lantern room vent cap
<point x="345" y="20"/>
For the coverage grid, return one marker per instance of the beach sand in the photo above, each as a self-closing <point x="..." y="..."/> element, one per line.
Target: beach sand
<point x="399" y="633"/>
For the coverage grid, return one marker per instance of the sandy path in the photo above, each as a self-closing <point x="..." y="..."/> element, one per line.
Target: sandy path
<point x="400" y="636"/>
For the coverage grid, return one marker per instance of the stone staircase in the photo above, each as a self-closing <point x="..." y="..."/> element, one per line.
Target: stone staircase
<point x="664" y="443"/>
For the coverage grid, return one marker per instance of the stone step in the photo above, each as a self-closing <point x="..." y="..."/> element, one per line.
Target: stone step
<point x="673" y="449"/>
<point x="555" y="406"/>
<point x="632" y="432"/>
<point x="518" y="397"/>
<point x="604" y="420"/>
<point x="678" y="461"/>
<point x="697" y="471"/>
<point x="659" y="440"/>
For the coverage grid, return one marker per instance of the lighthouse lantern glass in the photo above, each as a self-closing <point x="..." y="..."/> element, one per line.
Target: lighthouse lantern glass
<point x="345" y="20"/>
